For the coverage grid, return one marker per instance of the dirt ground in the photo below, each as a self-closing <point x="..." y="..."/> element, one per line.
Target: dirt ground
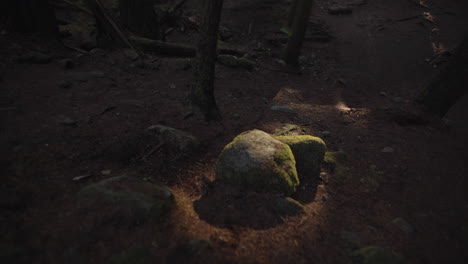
<point x="355" y="90"/>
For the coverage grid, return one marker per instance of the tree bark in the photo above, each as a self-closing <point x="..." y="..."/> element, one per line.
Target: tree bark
<point x="450" y="85"/>
<point x="36" y="16"/>
<point x="301" y="18"/>
<point x="139" y="17"/>
<point x="292" y="13"/>
<point x="201" y="98"/>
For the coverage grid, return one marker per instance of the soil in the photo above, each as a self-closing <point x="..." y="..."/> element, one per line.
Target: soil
<point x="355" y="90"/>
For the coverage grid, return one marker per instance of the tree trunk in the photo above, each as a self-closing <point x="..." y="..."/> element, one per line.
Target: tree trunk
<point x="201" y="96"/>
<point x="450" y="85"/>
<point x="301" y="18"/>
<point x="292" y="14"/>
<point x="29" y="16"/>
<point x="139" y="17"/>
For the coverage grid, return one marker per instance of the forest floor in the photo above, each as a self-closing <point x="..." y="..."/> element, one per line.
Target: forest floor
<point x="356" y="91"/>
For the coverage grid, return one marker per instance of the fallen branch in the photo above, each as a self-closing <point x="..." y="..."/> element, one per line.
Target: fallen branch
<point x="175" y="49"/>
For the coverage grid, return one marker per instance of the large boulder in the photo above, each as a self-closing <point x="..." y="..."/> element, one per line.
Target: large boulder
<point x="125" y="200"/>
<point x="308" y="151"/>
<point x="256" y="160"/>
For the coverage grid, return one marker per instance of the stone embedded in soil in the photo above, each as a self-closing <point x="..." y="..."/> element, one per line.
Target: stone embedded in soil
<point x="339" y="10"/>
<point x="387" y="150"/>
<point x="197" y="245"/>
<point x="375" y="255"/>
<point x="235" y="62"/>
<point x="288" y="206"/>
<point x="35" y="57"/>
<point x="352" y="239"/>
<point x="133" y="255"/>
<point x="178" y="139"/>
<point x="256" y="160"/>
<point x="126" y="201"/>
<point x="131" y="54"/>
<point x="404" y="226"/>
<point x="283" y="109"/>
<point x="67" y="121"/>
<point x="67" y="64"/>
<point x="308" y="151"/>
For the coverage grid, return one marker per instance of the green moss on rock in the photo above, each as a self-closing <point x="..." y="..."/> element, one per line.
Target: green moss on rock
<point x="308" y="151"/>
<point x="256" y="160"/>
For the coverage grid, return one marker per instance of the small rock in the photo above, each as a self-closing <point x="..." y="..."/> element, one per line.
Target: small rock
<point x="387" y="150"/>
<point x="339" y="10"/>
<point x="65" y="84"/>
<point x="67" y="64"/>
<point x="288" y="206"/>
<point x="181" y="64"/>
<point x="326" y="133"/>
<point x="283" y="109"/>
<point x="382" y="93"/>
<point x="404" y="226"/>
<point x="131" y="54"/>
<point x="197" y="245"/>
<point x="67" y="121"/>
<point x="178" y="139"/>
<point x="375" y="255"/>
<point x="353" y="239"/>
<point x="398" y="100"/>
<point x="106" y="172"/>
<point x="35" y="57"/>
<point x="235" y="62"/>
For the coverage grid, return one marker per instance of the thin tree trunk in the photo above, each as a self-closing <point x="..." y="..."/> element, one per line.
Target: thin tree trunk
<point x="450" y="85"/>
<point x="139" y="17"/>
<point x="201" y="98"/>
<point x="292" y="14"/>
<point x="292" y="51"/>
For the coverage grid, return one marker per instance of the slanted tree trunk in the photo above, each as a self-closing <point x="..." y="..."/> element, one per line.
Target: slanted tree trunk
<point x="201" y="98"/>
<point x="450" y="85"/>
<point x="36" y="16"/>
<point x="301" y="18"/>
<point x="139" y="17"/>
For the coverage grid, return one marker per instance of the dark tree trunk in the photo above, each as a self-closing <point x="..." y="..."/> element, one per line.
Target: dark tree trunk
<point x="450" y="85"/>
<point x="201" y="96"/>
<point x="139" y="17"/>
<point x="29" y="16"/>
<point x="301" y="18"/>
<point x="292" y="14"/>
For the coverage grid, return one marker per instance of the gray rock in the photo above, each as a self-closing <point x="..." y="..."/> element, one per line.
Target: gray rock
<point x="283" y="109"/>
<point x="308" y="151"/>
<point x="131" y="54"/>
<point x="133" y="255"/>
<point x="404" y="226"/>
<point x="352" y="239"/>
<point x="256" y="160"/>
<point x="375" y="255"/>
<point x="67" y="121"/>
<point x="197" y="245"/>
<point x="126" y="201"/>
<point x="235" y="62"/>
<point x="35" y="57"/>
<point x="387" y="150"/>
<point x="339" y="10"/>
<point x="288" y="206"/>
<point x="67" y="64"/>
<point x="178" y="139"/>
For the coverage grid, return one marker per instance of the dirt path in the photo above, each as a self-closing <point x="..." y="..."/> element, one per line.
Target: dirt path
<point x="356" y="91"/>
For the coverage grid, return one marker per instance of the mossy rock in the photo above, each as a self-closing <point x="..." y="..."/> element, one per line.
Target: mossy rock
<point x="308" y="151"/>
<point x="133" y="255"/>
<point x="178" y="139"/>
<point x="126" y="200"/>
<point x="288" y="206"/>
<point x="256" y="160"/>
<point x="376" y="255"/>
